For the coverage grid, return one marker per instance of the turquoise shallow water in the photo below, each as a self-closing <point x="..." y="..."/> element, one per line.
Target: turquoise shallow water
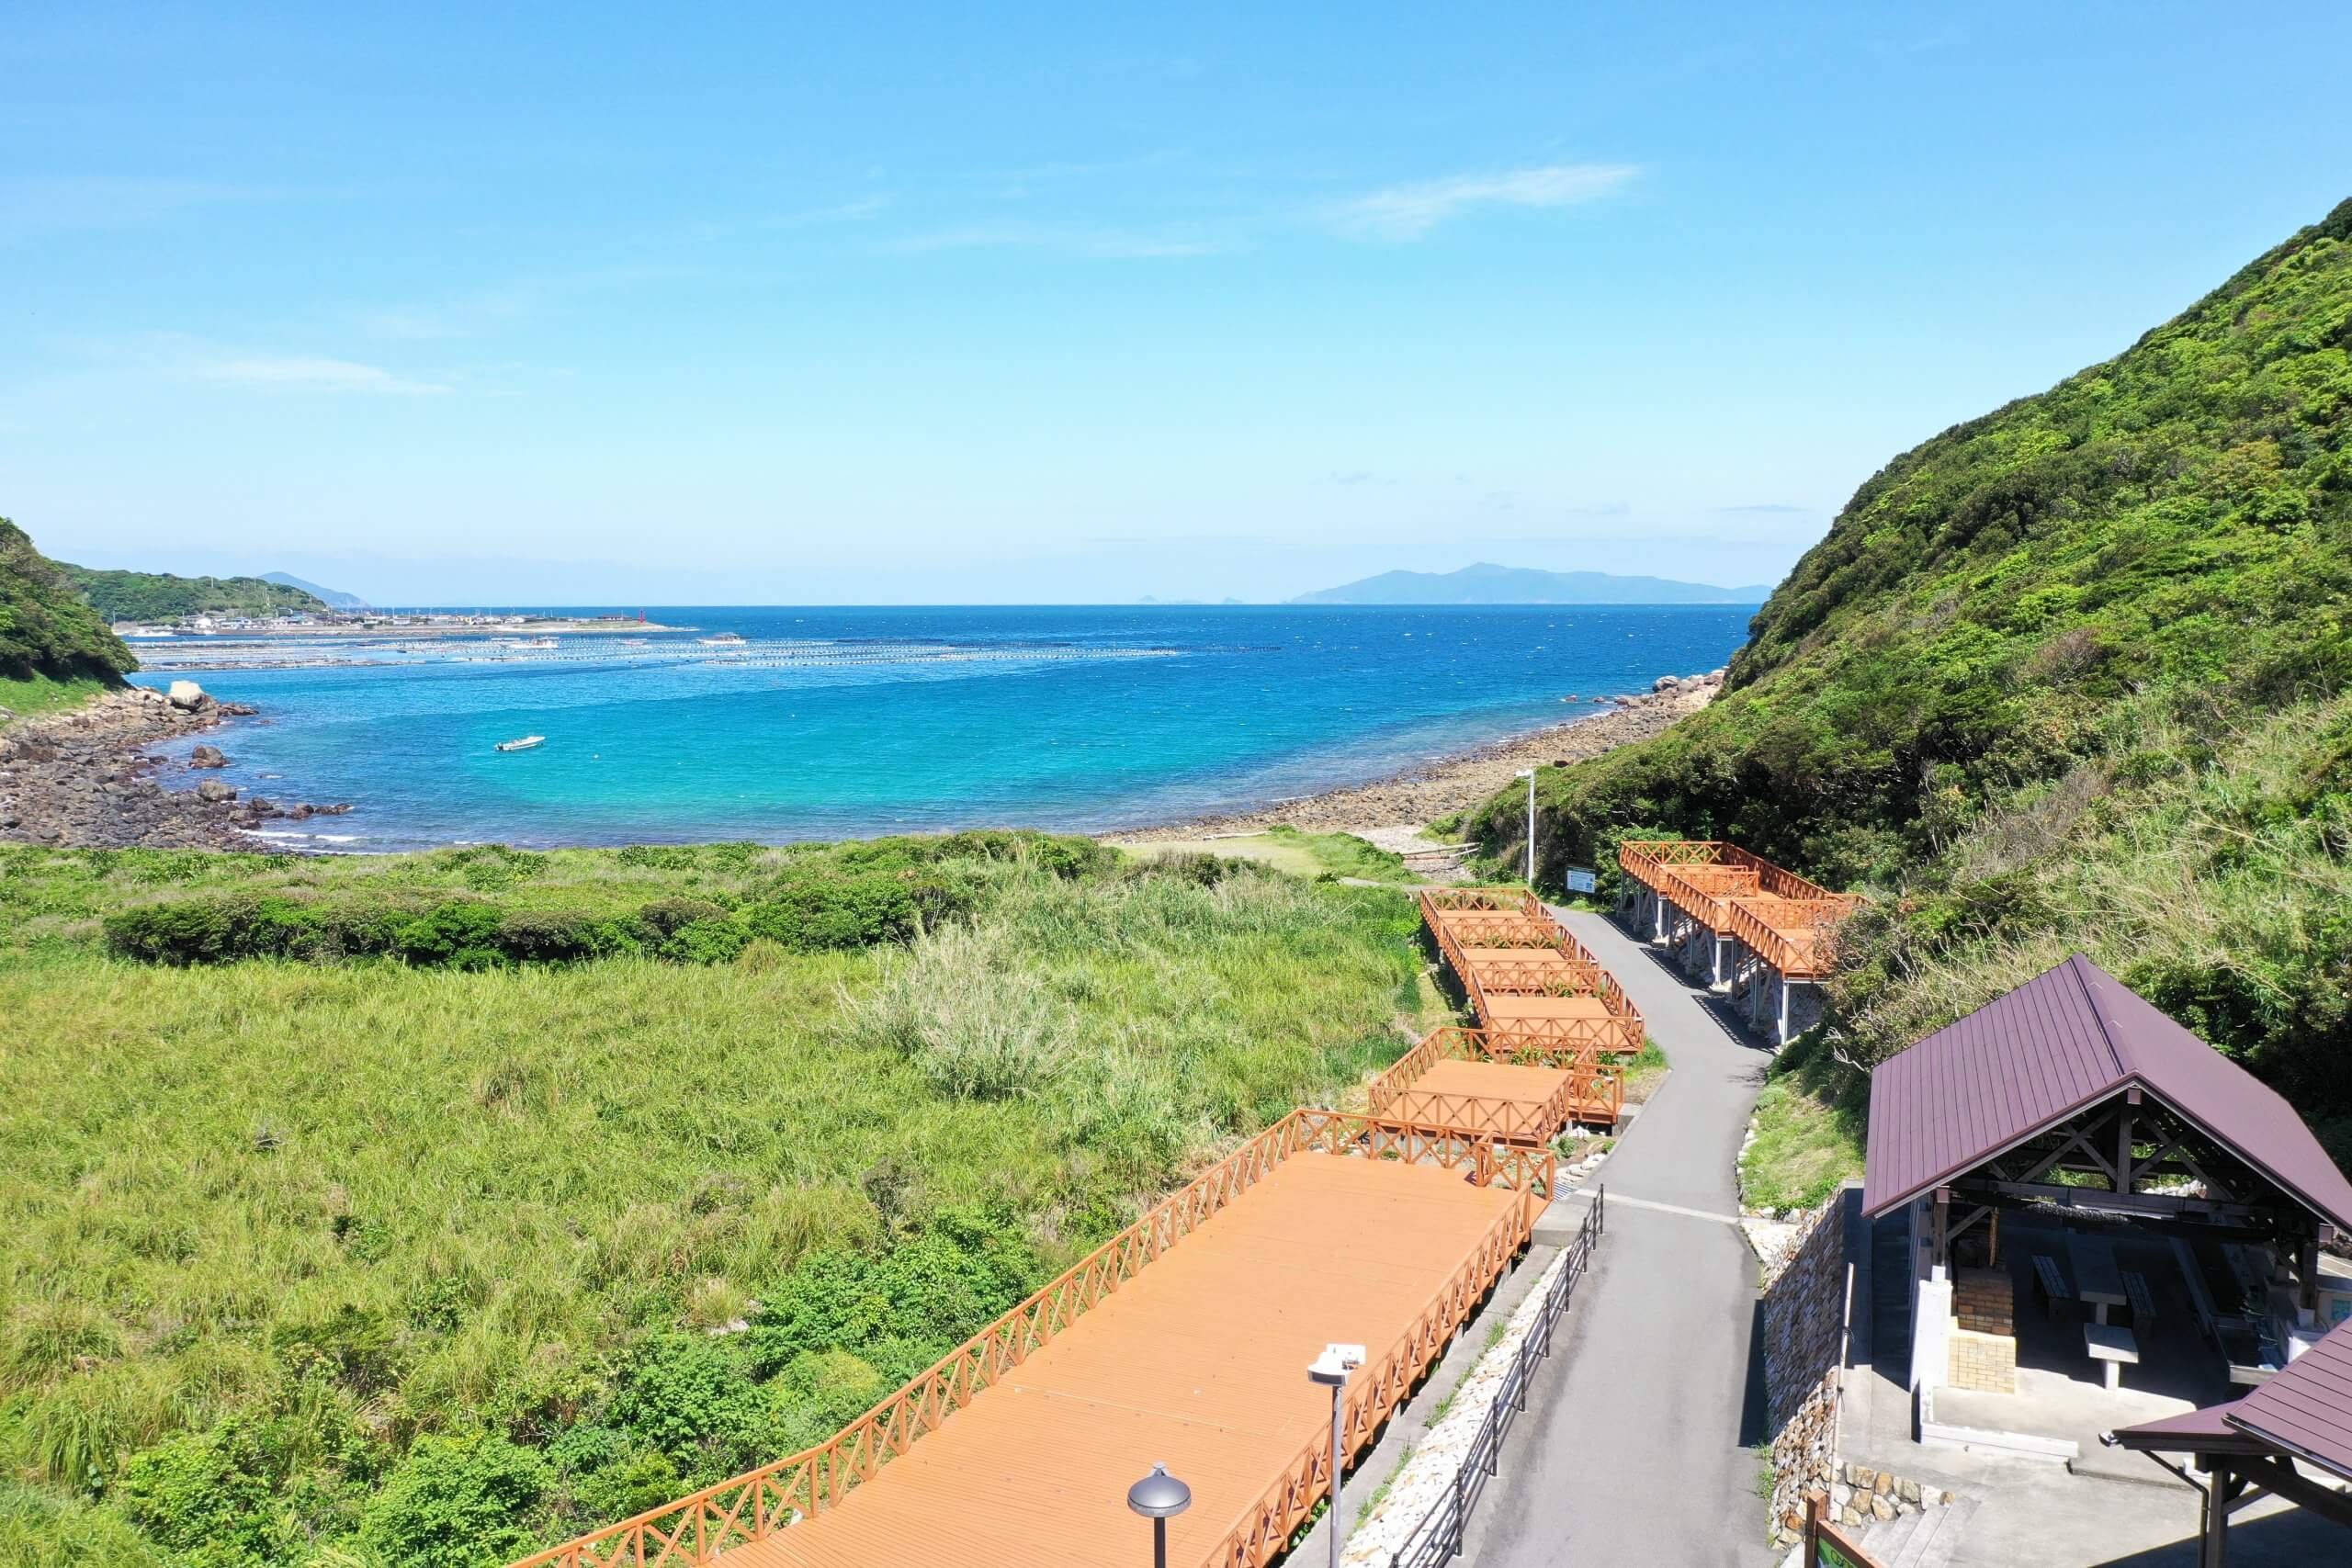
<point x="828" y="723"/>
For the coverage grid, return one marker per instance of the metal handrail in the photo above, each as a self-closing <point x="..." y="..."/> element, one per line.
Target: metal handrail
<point x="1438" y="1538"/>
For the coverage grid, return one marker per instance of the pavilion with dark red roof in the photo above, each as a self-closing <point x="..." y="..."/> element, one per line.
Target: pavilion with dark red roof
<point x="2070" y="1145"/>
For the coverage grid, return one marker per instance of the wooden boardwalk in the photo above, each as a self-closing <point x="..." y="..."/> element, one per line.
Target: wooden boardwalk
<point x="1182" y="1341"/>
<point x="1786" y="920"/>
<point x="1526" y="976"/>
<point x="1200" y="1364"/>
<point x="1502" y="1086"/>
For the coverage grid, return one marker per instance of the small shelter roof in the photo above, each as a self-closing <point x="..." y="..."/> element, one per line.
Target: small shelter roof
<point x="2305" y="1411"/>
<point x="2061" y="1043"/>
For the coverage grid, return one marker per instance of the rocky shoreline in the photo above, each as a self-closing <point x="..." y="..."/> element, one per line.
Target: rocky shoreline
<point x="1455" y="783"/>
<point x="85" y="779"/>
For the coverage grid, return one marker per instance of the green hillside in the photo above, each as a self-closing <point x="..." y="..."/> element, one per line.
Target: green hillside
<point x="2068" y="676"/>
<point x="160" y="596"/>
<point x="52" y="644"/>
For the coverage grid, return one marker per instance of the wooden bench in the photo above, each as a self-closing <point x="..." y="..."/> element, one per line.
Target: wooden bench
<point x="2053" y="1280"/>
<point x="2143" y="1301"/>
<point x="2111" y="1346"/>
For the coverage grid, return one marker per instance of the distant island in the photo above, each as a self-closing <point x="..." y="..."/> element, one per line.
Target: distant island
<point x="334" y="598"/>
<point x="1485" y="584"/>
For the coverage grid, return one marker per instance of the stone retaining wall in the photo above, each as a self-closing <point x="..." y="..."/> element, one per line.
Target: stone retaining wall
<point x="1805" y="1341"/>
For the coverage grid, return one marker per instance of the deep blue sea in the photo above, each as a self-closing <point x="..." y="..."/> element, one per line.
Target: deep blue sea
<point x="832" y="723"/>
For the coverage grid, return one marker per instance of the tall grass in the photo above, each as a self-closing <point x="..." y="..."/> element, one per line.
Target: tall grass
<point x="362" y="1202"/>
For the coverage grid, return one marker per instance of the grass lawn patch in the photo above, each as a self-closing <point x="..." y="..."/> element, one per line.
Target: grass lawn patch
<point x="1809" y="1128"/>
<point x="1646" y="1072"/>
<point x="1287" y="849"/>
<point x="30" y="697"/>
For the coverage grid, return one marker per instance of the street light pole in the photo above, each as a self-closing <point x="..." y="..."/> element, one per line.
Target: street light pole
<point x="1159" y="1497"/>
<point x="1332" y="1368"/>
<point x="1528" y="774"/>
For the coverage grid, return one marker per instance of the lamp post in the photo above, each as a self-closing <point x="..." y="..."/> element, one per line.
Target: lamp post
<point x="1528" y="774"/>
<point x="1330" y="1368"/>
<point x="1159" y="1497"/>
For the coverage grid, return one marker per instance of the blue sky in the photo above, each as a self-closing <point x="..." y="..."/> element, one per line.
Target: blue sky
<point x="848" y="304"/>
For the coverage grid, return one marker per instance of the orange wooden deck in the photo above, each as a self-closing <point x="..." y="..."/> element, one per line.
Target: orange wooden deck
<point x="1502" y="945"/>
<point x="1507" y="1009"/>
<point x="1198" y="1363"/>
<point x="1506" y="1088"/>
<point x="1787" y="920"/>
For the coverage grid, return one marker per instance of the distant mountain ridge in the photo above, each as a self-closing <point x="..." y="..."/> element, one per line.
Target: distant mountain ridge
<point x="334" y="598"/>
<point x="1486" y="583"/>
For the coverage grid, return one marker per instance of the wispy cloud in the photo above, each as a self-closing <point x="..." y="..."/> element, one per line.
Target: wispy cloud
<point x="1408" y="211"/>
<point x="312" y="373"/>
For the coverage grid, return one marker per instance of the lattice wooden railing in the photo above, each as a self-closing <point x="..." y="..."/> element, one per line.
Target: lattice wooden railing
<point x="1645" y="860"/>
<point x="1798" y="937"/>
<point x="748" y="1508"/>
<point x="1591" y="1092"/>
<point x="1549" y="977"/>
<point x="1616" y="1035"/>
<point x="1620" y="1030"/>
<point x="1510" y="901"/>
<point x="1704" y="892"/>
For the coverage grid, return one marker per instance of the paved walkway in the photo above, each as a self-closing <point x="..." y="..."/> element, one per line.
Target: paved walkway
<point x="1631" y="1450"/>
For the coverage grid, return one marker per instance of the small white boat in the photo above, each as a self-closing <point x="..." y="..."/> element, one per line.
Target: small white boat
<point x="525" y="744"/>
<point x="724" y="639"/>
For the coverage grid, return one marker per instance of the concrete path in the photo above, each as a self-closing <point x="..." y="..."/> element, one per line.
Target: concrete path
<point x="1631" y="1450"/>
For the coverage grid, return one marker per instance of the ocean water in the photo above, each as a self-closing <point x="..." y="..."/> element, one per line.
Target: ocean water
<point x="833" y="723"/>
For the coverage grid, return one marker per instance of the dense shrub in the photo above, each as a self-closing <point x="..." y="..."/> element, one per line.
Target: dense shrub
<point x="205" y="1496"/>
<point x="899" y="1310"/>
<point x="458" y="1502"/>
<point x="691" y="1398"/>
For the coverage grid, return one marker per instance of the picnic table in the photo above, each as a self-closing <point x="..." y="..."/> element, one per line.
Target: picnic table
<point x="2097" y="1279"/>
<point x="2111" y="1346"/>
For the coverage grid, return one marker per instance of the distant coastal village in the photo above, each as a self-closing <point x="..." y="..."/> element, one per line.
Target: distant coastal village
<point x="382" y="623"/>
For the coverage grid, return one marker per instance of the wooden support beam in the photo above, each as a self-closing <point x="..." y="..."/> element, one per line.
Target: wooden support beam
<point x="2153" y="1205"/>
<point x="2280" y="1479"/>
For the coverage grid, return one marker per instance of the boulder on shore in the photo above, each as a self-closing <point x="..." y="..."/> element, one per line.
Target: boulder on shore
<point x="214" y="791"/>
<point x="1666" y="683"/>
<point x="207" y="757"/>
<point x="187" y="696"/>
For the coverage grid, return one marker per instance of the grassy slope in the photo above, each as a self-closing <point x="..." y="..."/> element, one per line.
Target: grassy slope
<point x="346" y="1206"/>
<point x="2067" y="676"/>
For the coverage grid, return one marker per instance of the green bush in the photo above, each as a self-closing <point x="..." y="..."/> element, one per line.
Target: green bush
<point x="458" y="933"/>
<point x="903" y="1308"/>
<point x="206" y="1497"/>
<point x="458" y="1502"/>
<point x="691" y="1398"/>
<point x="809" y="914"/>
